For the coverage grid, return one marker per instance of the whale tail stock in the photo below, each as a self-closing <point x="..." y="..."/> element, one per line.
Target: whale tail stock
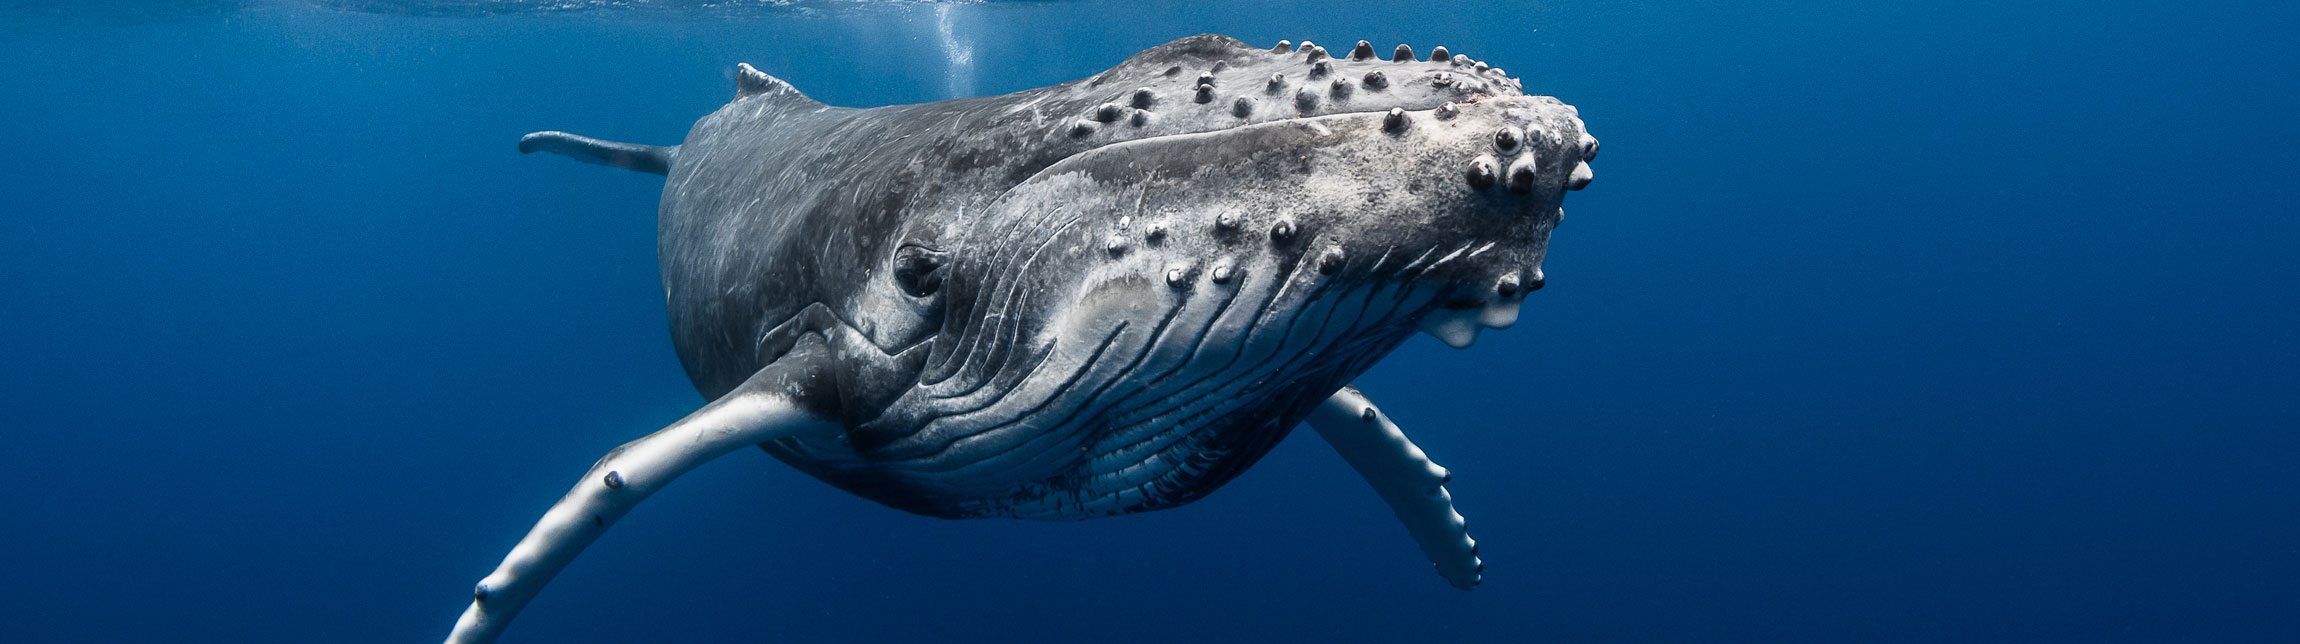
<point x="651" y="159"/>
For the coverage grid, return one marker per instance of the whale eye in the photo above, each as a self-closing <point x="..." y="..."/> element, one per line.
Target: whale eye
<point x="918" y="269"/>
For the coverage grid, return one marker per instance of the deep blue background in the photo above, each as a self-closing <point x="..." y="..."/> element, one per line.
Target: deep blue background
<point x="1933" y="324"/>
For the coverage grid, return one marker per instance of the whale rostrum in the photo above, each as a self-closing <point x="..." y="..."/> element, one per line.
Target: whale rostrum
<point x="1103" y="297"/>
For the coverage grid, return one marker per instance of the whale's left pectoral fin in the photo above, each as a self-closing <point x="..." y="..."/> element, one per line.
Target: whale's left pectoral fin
<point x="763" y="408"/>
<point x="651" y="159"/>
<point x="1405" y="478"/>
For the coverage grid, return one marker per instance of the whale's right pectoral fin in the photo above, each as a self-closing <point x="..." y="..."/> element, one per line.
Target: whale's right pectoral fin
<point x="651" y="159"/>
<point x="1405" y="478"/>
<point x="765" y="407"/>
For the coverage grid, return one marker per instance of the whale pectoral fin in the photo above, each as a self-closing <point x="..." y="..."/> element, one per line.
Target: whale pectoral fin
<point x="652" y="159"/>
<point x="1405" y="478"/>
<point x="763" y="408"/>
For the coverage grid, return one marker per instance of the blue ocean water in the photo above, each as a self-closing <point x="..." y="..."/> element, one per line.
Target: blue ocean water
<point x="1943" y="322"/>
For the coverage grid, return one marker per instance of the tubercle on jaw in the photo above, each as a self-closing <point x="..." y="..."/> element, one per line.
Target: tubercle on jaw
<point x="1221" y="255"/>
<point x="1318" y="83"/>
<point x="1459" y="76"/>
<point x="1514" y="163"/>
<point x="1518" y="165"/>
<point x="1459" y="328"/>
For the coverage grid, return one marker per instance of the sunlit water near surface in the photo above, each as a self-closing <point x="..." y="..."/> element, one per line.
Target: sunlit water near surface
<point x="1929" y="323"/>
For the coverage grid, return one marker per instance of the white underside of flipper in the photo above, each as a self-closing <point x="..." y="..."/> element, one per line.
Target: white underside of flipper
<point x="617" y="483"/>
<point x="1405" y="478"/>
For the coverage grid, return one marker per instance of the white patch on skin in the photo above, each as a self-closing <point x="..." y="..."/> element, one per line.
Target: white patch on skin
<point x="1499" y="314"/>
<point x="1459" y="329"/>
<point x="1455" y="328"/>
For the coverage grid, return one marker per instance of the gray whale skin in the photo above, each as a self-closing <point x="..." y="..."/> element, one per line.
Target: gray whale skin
<point x="1107" y="296"/>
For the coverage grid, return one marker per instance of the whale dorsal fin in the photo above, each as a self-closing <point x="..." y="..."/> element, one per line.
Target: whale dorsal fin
<point x="749" y="82"/>
<point x="652" y="159"/>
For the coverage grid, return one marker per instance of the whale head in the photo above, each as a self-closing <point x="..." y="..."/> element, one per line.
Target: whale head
<point x="1207" y="289"/>
<point x="1446" y="211"/>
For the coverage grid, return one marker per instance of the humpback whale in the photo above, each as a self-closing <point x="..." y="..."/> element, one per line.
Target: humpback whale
<point x="1102" y="297"/>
